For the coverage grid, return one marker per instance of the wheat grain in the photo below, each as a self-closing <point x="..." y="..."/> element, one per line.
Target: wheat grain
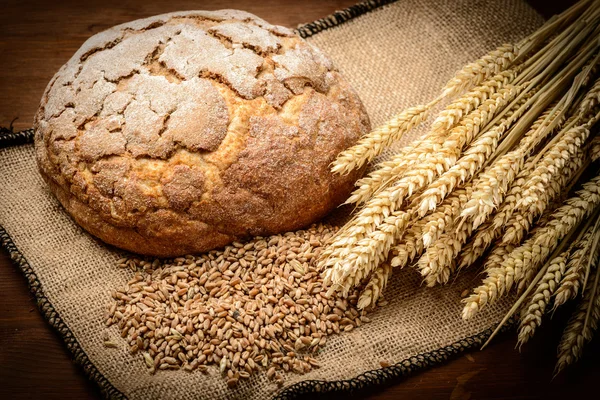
<point x="577" y="333"/>
<point x="576" y="269"/>
<point x="244" y="308"/>
<point x="532" y="313"/>
<point x="474" y="73"/>
<point x="375" y="287"/>
<point x="376" y="141"/>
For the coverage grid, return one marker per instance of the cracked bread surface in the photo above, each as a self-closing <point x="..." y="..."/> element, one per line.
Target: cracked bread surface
<point x="183" y="132"/>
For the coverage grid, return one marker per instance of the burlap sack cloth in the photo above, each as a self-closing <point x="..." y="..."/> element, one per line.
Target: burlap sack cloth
<point x="395" y="55"/>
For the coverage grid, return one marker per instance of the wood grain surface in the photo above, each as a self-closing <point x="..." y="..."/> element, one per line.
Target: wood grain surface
<point x="36" y="38"/>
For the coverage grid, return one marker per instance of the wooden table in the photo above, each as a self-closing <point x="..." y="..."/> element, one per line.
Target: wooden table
<point x="36" y="38"/>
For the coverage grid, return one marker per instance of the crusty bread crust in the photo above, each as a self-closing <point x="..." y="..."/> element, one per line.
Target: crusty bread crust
<point x="183" y="132"/>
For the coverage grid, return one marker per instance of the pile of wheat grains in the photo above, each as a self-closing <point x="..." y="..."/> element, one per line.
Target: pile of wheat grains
<point x="252" y="306"/>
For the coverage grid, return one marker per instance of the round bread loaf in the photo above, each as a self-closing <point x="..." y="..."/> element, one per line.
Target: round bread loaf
<point x="186" y="131"/>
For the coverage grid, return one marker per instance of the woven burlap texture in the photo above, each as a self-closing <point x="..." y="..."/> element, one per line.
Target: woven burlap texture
<point x="395" y="56"/>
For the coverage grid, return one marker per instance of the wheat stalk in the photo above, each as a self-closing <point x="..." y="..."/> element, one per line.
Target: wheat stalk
<point x="525" y="260"/>
<point x="375" y="287"/>
<point x="452" y="114"/>
<point x="494" y="181"/>
<point x="521" y="220"/>
<point x="552" y="164"/>
<point x="577" y="332"/>
<point x="371" y="145"/>
<point x="476" y="72"/>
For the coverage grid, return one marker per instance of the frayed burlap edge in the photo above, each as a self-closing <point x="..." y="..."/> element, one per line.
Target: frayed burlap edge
<point x="367" y="380"/>
<point x="339" y="17"/>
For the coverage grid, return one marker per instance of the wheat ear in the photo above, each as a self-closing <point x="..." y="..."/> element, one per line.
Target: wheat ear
<point x="375" y="287"/>
<point x="595" y="148"/>
<point x="371" y="145"/>
<point x="492" y="229"/>
<point x="424" y="231"/>
<point x="493" y="285"/>
<point x="476" y="72"/>
<point x="387" y="171"/>
<point x="532" y="313"/>
<point x="491" y="185"/>
<point x="552" y="164"/>
<point x="473" y="159"/>
<point x="577" y="332"/>
<point x="525" y="260"/>
<point x="591" y="99"/>
<point x="456" y="110"/>
<point x="441" y="240"/>
<point x="577" y="269"/>
<point x="344" y="273"/>
<point x="521" y="220"/>
<point x="447" y="154"/>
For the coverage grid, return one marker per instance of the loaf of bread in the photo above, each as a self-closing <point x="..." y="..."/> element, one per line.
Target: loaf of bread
<point x="186" y="131"/>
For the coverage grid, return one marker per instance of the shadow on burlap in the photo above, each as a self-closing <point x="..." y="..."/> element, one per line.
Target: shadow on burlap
<point x="395" y="56"/>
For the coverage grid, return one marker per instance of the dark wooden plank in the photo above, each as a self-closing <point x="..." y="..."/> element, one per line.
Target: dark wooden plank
<point x="36" y="38"/>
